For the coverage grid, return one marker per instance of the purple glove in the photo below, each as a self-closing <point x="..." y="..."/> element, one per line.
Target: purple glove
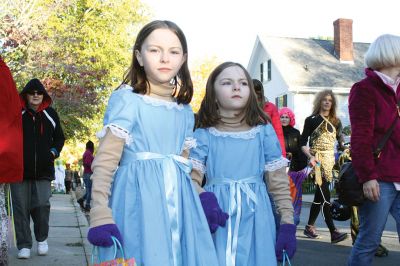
<point x="286" y="241"/>
<point x="215" y="216"/>
<point x="101" y="235"/>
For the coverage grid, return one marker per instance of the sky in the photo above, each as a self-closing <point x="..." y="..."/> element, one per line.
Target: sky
<point x="227" y="29"/>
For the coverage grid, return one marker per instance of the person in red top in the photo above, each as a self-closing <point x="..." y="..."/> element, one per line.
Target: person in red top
<point x="11" y="162"/>
<point x="87" y="172"/>
<point x="372" y="111"/>
<point x="271" y="110"/>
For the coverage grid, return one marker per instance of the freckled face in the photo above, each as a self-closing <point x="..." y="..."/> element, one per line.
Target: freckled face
<point x="232" y="89"/>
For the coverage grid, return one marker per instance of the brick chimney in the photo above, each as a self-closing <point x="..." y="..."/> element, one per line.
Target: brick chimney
<point x="343" y="39"/>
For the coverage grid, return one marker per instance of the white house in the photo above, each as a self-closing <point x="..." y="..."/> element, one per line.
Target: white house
<point x="293" y="70"/>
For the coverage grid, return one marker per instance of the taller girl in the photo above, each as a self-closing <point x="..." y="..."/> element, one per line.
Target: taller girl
<point x="148" y="126"/>
<point x="238" y="149"/>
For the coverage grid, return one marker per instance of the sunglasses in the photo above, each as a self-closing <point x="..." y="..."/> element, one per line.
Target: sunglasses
<point x="35" y="92"/>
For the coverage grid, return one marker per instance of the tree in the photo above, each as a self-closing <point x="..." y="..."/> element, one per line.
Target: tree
<point x="79" y="49"/>
<point x="200" y="73"/>
<point x="20" y="24"/>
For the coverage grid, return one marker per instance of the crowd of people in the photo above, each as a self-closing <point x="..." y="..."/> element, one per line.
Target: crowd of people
<point x="219" y="179"/>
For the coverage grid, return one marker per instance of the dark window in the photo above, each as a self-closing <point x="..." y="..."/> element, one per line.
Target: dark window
<point x="281" y="101"/>
<point x="262" y="72"/>
<point x="269" y="70"/>
<point x="265" y="71"/>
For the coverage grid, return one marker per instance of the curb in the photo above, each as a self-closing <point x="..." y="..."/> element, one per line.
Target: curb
<point x="83" y="226"/>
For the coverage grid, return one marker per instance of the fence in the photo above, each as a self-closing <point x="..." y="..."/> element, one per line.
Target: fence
<point x="309" y="185"/>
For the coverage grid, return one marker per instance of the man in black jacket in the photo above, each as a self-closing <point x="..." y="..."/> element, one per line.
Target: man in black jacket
<point x="43" y="142"/>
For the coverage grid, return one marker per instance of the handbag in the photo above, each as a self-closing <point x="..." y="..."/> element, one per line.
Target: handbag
<point x="121" y="261"/>
<point x="285" y="259"/>
<point x="349" y="189"/>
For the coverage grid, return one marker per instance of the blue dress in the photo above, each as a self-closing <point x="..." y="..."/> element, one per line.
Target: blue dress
<point x="153" y="202"/>
<point x="234" y="164"/>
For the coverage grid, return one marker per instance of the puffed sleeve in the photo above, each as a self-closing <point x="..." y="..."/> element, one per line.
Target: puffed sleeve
<point x="275" y="175"/>
<point x="120" y="114"/>
<point x="190" y="141"/>
<point x="272" y="150"/>
<point x="198" y="154"/>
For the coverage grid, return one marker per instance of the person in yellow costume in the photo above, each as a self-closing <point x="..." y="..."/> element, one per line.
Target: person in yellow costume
<point x="321" y="131"/>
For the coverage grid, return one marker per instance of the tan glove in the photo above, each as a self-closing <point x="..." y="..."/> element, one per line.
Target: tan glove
<point x="104" y="165"/>
<point x="197" y="179"/>
<point x="278" y="185"/>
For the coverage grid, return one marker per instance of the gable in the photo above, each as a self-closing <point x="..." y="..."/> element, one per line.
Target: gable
<point x="311" y="62"/>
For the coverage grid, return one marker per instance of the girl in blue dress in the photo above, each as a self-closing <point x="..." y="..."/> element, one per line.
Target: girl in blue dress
<point x="142" y="191"/>
<point x="238" y="150"/>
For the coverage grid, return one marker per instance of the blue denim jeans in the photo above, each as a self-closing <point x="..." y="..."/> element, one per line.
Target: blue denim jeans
<point x="373" y="217"/>
<point x="88" y="187"/>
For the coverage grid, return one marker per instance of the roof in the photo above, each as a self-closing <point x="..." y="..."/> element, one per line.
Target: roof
<point x="312" y="63"/>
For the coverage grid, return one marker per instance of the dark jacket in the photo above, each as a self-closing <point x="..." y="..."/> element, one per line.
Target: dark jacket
<point x="372" y="110"/>
<point x="298" y="160"/>
<point x="42" y="134"/>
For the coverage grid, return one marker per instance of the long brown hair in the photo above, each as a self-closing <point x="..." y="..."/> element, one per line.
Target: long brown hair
<point x="136" y="76"/>
<point x="208" y="115"/>
<point x="318" y="102"/>
<point x="259" y="89"/>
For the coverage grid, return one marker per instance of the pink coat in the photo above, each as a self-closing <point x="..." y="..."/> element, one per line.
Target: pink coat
<point x="372" y="109"/>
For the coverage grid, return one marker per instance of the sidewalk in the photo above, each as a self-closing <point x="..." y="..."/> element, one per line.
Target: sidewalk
<point x="67" y="236"/>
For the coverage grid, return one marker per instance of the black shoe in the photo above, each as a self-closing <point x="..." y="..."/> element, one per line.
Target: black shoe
<point x="87" y="209"/>
<point x="310" y="232"/>
<point x="381" y="251"/>
<point x="80" y="202"/>
<point x="336" y="236"/>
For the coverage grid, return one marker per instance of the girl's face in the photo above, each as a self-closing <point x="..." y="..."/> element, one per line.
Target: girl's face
<point x="232" y="90"/>
<point x="285" y="120"/>
<point x="326" y="103"/>
<point x="161" y="55"/>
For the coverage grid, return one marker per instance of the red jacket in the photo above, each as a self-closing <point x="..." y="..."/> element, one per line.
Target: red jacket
<point x="87" y="161"/>
<point x="372" y="110"/>
<point x="11" y="160"/>
<point x="272" y="111"/>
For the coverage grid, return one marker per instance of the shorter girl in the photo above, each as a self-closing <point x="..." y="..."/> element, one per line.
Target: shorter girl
<point x="238" y="149"/>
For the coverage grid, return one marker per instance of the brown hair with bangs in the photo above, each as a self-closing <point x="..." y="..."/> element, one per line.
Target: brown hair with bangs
<point x="318" y="102"/>
<point x="136" y="76"/>
<point x="208" y="115"/>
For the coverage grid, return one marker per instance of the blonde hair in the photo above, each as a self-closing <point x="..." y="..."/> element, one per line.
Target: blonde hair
<point x="383" y="52"/>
